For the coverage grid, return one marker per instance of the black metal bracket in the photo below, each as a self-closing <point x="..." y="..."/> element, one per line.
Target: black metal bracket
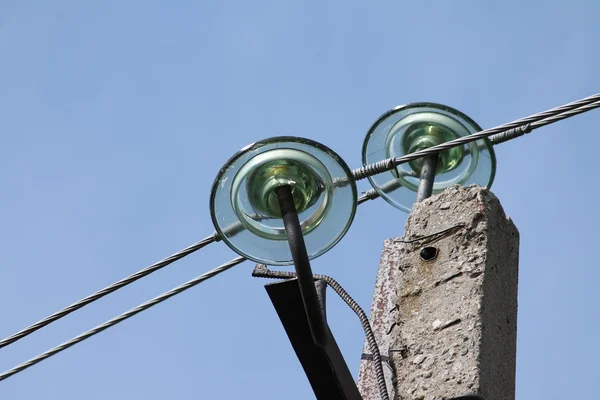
<point x="324" y="366"/>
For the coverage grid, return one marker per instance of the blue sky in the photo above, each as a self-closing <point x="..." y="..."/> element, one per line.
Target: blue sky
<point x="115" y="117"/>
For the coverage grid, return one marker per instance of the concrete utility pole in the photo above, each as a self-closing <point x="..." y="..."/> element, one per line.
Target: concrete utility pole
<point x="445" y="307"/>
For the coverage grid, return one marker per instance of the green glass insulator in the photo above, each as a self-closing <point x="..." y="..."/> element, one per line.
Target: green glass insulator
<point x="244" y="206"/>
<point x="422" y="135"/>
<point x="418" y="126"/>
<point x="306" y="185"/>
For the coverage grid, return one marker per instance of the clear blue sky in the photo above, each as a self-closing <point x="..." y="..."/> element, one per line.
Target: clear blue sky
<point x="115" y="117"/>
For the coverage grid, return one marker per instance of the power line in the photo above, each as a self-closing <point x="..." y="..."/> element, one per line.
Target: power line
<point x="502" y="137"/>
<point x="564" y="115"/>
<point x="112" y="288"/>
<point x="521" y="127"/>
<point x="122" y="317"/>
<point x="109" y="289"/>
<point x="503" y="132"/>
<point x="497" y="135"/>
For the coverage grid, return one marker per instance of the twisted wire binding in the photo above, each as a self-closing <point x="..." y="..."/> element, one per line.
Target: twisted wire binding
<point x="107" y="290"/>
<point x="122" y="317"/>
<point x="510" y="134"/>
<point x="373" y="169"/>
<point x="370" y="194"/>
<point x="262" y="271"/>
<point x="532" y="122"/>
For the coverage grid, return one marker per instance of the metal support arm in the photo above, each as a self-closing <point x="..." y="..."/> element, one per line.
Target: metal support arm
<point x="316" y="320"/>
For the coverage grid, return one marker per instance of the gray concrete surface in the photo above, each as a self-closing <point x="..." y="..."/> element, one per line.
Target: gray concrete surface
<point x="448" y="325"/>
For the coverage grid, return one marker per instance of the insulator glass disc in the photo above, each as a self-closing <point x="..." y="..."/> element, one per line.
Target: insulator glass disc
<point x="244" y="206"/>
<point x="413" y="127"/>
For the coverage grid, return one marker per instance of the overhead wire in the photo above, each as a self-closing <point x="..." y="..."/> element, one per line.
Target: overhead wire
<point x="564" y="115"/>
<point x="520" y="127"/>
<point x="107" y="290"/>
<point x="524" y="125"/>
<point x="64" y="346"/>
<point x="111" y="288"/>
<point x="541" y="120"/>
<point x="114" y="321"/>
<point x="497" y="135"/>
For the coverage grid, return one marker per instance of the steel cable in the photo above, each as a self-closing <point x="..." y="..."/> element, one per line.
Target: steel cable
<point x="497" y="135"/>
<point x="503" y="133"/>
<point x="497" y="138"/>
<point x="107" y="290"/>
<point x="122" y="317"/>
<point x="564" y="115"/>
<point x="524" y="125"/>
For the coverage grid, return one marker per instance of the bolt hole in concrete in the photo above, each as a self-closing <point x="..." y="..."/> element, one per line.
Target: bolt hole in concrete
<point x="428" y="253"/>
